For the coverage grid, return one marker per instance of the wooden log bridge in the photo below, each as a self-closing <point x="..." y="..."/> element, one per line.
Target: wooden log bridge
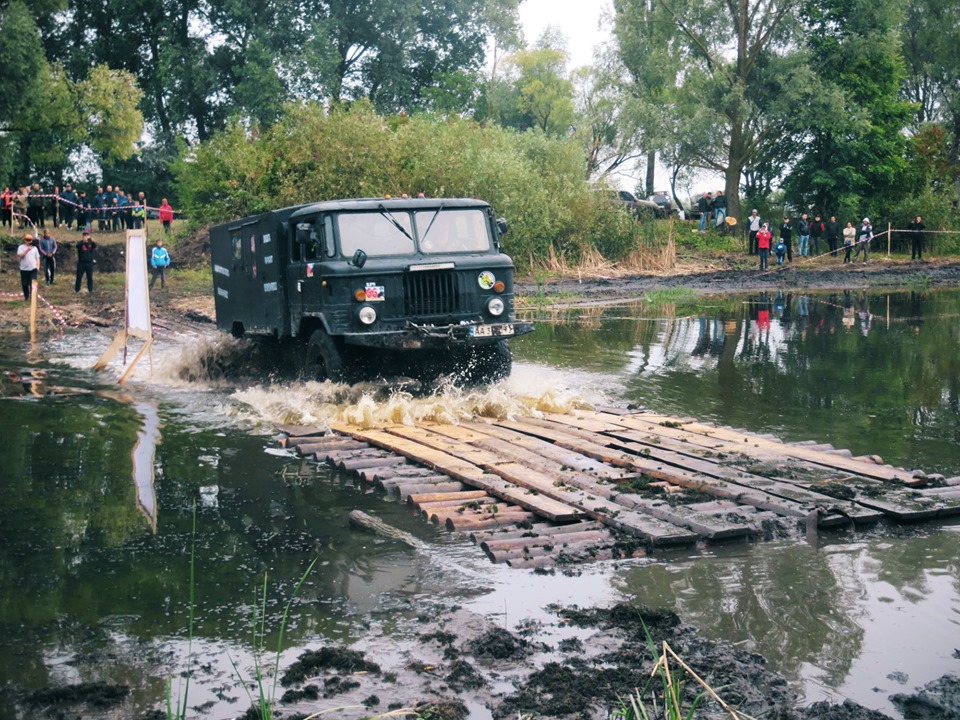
<point x="598" y="484"/>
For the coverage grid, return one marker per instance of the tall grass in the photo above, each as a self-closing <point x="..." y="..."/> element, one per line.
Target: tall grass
<point x="266" y="691"/>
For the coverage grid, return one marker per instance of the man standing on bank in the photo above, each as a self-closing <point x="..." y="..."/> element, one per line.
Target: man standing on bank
<point x="48" y="250"/>
<point x="159" y="261"/>
<point x="29" y="264"/>
<point x="86" y="257"/>
<point x="916" y="228"/>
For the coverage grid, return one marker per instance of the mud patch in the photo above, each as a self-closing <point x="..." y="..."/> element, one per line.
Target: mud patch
<point x="312" y="662"/>
<point x="938" y="700"/>
<point x="498" y="644"/>
<point x="93" y="695"/>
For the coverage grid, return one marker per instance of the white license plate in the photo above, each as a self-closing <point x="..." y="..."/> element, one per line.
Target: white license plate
<point x="505" y="330"/>
<point x="481" y="331"/>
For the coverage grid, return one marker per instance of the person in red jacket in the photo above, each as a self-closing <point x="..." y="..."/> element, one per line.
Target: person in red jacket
<point x="166" y="215"/>
<point x="763" y="245"/>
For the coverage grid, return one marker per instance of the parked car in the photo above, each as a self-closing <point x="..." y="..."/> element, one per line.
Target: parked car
<point x="663" y="201"/>
<point x="641" y="208"/>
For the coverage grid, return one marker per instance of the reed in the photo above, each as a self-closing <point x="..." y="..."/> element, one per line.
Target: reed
<point x="266" y="691"/>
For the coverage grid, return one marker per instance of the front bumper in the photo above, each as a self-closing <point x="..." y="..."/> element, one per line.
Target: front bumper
<point x="420" y="337"/>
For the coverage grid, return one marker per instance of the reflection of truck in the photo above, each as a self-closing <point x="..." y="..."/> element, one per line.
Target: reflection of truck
<point x="372" y="282"/>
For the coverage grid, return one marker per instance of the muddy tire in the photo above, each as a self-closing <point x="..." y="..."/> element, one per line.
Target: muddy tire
<point x="488" y="364"/>
<point x="326" y="358"/>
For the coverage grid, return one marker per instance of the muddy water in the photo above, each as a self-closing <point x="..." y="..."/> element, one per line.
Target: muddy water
<point x="100" y="486"/>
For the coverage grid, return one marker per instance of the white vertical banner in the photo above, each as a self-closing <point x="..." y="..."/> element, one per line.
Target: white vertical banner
<point x="138" y="289"/>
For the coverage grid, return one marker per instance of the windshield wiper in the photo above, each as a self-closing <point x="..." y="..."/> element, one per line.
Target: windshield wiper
<point x="430" y="225"/>
<point x="389" y="216"/>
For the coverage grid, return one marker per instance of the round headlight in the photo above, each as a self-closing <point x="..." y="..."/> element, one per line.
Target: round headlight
<point x="367" y="315"/>
<point x="495" y="306"/>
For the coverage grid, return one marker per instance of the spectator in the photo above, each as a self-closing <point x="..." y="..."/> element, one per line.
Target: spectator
<point x="48" y="251"/>
<point x="916" y="228"/>
<point x="719" y="208"/>
<point x="803" y="230"/>
<point x="166" y="215"/>
<point x="159" y="262"/>
<point x="29" y="263"/>
<point x="816" y="232"/>
<point x="86" y="258"/>
<point x="6" y="207"/>
<point x="849" y="235"/>
<point x="754" y="223"/>
<point x="864" y="236"/>
<point x="832" y="229"/>
<point x="763" y="245"/>
<point x="786" y="237"/>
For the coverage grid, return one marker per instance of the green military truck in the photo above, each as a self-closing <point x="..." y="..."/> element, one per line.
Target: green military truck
<point x="372" y="285"/>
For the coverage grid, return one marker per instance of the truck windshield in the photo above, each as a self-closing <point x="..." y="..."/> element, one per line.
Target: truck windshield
<point x="375" y="234"/>
<point x="453" y="231"/>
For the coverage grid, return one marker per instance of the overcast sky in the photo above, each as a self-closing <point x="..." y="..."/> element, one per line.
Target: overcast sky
<point x="577" y="20"/>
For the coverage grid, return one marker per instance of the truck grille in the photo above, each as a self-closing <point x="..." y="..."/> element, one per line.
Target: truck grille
<point x="431" y="293"/>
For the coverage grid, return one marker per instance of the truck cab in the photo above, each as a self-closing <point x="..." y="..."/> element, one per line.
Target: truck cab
<point x="360" y="279"/>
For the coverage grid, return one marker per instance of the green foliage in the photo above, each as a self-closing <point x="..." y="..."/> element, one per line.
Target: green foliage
<point x="536" y="182"/>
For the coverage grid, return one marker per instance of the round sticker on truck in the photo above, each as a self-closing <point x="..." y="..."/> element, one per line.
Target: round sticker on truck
<point x="487" y="280"/>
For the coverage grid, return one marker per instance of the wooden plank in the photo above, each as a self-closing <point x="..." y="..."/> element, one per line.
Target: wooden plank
<point x="694" y="481"/>
<point x="311" y="448"/>
<point x="749" y="441"/>
<point x="656" y="526"/>
<point x="301" y="430"/>
<point x="537" y="530"/>
<point x="405" y="491"/>
<point x="462" y="524"/>
<point x="466" y="496"/>
<point x="426" y="507"/>
<point x="357" y="464"/>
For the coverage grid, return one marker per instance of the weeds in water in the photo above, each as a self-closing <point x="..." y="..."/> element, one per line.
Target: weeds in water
<point x="266" y="697"/>
<point x="920" y="285"/>
<point x="670" y="295"/>
<point x="178" y="711"/>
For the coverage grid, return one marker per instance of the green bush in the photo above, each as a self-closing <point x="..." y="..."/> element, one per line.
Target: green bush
<point x="537" y="183"/>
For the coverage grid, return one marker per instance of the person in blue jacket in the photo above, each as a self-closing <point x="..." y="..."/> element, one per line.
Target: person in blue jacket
<point x="159" y="261"/>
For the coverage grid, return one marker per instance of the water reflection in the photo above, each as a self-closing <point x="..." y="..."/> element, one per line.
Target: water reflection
<point x="846" y="618"/>
<point x="878" y="373"/>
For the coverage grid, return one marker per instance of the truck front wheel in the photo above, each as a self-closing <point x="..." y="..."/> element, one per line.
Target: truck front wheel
<point x="488" y="363"/>
<point x="325" y="357"/>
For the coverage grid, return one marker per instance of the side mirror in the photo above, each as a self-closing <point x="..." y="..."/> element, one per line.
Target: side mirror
<point x="359" y="259"/>
<point x="502" y="226"/>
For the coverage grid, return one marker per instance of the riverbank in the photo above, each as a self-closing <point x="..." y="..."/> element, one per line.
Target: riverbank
<point x="188" y="296"/>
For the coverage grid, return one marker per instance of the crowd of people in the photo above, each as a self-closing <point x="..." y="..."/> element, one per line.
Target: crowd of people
<point x="109" y="210"/>
<point x="812" y="235"/>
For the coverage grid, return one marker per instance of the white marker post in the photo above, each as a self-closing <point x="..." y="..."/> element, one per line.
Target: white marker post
<point x="137" y="321"/>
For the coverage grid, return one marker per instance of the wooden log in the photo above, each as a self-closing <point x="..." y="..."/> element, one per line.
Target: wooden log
<point x="499" y="555"/>
<point x="312" y="448"/>
<point x="561" y="559"/>
<point x="562" y="540"/>
<point x="334" y="457"/>
<point x="406" y="491"/>
<point x="302" y="430"/>
<point x="475" y="524"/>
<point x="438" y="482"/>
<point x="536" y="530"/>
<point x="440" y="515"/>
<point x="354" y="465"/>
<point x="377" y="476"/>
<point x="377" y="526"/>
<point x="467" y="495"/>
<point x="448" y="504"/>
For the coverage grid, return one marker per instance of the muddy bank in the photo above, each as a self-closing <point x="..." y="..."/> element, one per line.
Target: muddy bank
<point x="729" y="276"/>
<point x="456" y="665"/>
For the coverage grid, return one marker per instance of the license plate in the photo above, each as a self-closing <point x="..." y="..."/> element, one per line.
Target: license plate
<point x="481" y="330"/>
<point x="505" y="329"/>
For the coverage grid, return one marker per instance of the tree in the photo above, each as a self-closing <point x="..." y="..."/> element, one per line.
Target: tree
<point x="853" y="154"/>
<point x="534" y="91"/>
<point x="719" y="47"/>
<point x="46" y="115"/>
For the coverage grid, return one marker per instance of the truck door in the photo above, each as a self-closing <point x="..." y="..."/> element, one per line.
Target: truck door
<point x="257" y="279"/>
<point x="311" y="246"/>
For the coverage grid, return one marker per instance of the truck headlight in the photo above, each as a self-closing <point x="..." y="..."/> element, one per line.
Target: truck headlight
<point x="367" y="315"/>
<point x="495" y="306"/>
